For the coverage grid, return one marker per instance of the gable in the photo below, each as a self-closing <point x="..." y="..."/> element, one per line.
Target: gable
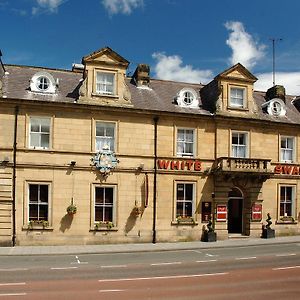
<point x="238" y="72"/>
<point x="105" y="55"/>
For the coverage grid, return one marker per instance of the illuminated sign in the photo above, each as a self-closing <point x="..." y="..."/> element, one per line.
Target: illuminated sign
<point x="189" y="165"/>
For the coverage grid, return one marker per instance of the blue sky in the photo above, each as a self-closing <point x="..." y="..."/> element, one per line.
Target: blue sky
<point x="185" y="40"/>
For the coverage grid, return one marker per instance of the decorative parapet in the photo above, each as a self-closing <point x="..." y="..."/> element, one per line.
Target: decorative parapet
<point x="247" y="165"/>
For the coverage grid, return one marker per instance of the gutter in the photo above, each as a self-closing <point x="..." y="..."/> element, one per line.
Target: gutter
<point x="14" y="178"/>
<point x="155" y="119"/>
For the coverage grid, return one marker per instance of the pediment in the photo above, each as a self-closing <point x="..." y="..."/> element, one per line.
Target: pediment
<point x="105" y="55"/>
<point x="237" y="72"/>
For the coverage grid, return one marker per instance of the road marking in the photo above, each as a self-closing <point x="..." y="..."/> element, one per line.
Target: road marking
<point x="285" y="268"/>
<point x="205" y="261"/>
<point x="110" y="291"/>
<point x="162" y="277"/>
<point x="78" y="261"/>
<point x="16" y="294"/>
<point x="64" y="268"/>
<point x="12" y="270"/>
<point x="210" y="255"/>
<point x="197" y="251"/>
<point x="245" y="258"/>
<point x="167" y="263"/>
<point x="287" y="254"/>
<point x="12" y="283"/>
<point x="114" y="266"/>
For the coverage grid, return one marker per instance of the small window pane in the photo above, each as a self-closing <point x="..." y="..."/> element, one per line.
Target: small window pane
<point x="44" y="193"/>
<point x="33" y="193"/>
<point x="45" y="140"/>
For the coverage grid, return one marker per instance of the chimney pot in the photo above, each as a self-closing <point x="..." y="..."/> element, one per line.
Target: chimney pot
<point x="142" y="75"/>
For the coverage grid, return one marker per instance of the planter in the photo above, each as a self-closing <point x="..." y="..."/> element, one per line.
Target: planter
<point x="38" y="224"/>
<point x="72" y="209"/>
<point x="104" y="225"/>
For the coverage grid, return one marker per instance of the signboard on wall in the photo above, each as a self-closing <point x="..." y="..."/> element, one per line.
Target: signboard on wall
<point x="221" y="212"/>
<point x="256" y="212"/>
<point x="287" y="170"/>
<point x="189" y="165"/>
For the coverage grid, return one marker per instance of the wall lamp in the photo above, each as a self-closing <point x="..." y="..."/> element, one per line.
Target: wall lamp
<point x="5" y="160"/>
<point x="72" y="163"/>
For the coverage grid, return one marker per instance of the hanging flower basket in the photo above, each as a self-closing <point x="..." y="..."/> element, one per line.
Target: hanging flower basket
<point x="137" y="211"/>
<point x="72" y="209"/>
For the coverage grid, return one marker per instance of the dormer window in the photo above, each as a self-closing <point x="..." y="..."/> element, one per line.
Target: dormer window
<point x="187" y="97"/>
<point x="237" y="97"/>
<point x="105" y="83"/>
<point x="43" y="82"/>
<point x="275" y="107"/>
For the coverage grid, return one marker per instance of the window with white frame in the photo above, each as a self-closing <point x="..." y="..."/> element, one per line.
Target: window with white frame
<point x="105" y="83"/>
<point x="237" y="97"/>
<point x="104" y="204"/>
<point x="239" y="147"/>
<point x="185" y="197"/>
<point x="39" y="132"/>
<point x="287" y="149"/>
<point x="105" y="136"/>
<point x="38" y="202"/>
<point x="287" y="201"/>
<point x="185" y="142"/>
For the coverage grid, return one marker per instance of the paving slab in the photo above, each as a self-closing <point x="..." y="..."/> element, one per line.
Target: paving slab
<point x="145" y="247"/>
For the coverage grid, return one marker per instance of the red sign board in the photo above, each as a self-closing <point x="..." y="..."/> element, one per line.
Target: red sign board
<point x="221" y="212"/>
<point x="256" y="212"/>
<point x="194" y="165"/>
<point x="287" y="170"/>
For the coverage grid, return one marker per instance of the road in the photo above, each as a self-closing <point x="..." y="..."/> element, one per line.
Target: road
<point x="253" y="272"/>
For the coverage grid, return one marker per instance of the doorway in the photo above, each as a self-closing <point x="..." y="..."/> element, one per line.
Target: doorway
<point x="235" y="211"/>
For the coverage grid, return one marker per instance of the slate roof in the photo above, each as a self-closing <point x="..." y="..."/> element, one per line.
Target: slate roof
<point x="160" y="96"/>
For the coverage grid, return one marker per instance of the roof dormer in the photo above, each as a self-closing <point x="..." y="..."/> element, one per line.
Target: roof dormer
<point x="43" y="82"/>
<point x="104" y="79"/>
<point x="231" y="91"/>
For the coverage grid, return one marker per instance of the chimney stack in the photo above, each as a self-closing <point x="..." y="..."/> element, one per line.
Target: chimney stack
<point x="142" y="75"/>
<point x="276" y="91"/>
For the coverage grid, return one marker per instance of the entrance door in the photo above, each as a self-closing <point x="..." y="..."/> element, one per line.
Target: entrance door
<point x="235" y="212"/>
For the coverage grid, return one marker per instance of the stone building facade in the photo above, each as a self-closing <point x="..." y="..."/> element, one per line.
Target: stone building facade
<point x="92" y="156"/>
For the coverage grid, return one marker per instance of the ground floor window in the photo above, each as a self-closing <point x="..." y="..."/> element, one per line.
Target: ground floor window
<point x="287" y="201"/>
<point x="38" y="202"/>
<point x="104" y="204"/>
<point x="184" y="199"/>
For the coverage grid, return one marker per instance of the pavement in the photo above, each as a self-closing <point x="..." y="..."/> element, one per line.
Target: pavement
<point x="145" y="247"/>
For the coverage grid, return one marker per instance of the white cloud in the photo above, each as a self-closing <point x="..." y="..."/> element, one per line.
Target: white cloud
<point x="290" y="80"/>
<point x="121" y="6"/>
<point x="171" y="68"/>
<point x="48" y="5"/>
<point x="245" y="49"/>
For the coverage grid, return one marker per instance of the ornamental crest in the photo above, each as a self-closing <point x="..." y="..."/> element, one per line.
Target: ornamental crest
<point x="105" y="160"/>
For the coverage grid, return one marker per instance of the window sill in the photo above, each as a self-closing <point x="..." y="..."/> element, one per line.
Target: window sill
<point x="238" y="108"/>
<point x="184" y="223"/>
<point x="279" y="222"/>
<point x="105" y="95"/>
<point x="103" y="229"/>
<point x="39" y="228"/>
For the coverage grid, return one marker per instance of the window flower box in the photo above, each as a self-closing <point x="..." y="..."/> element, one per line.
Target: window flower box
<point x="107" y="225"/>
<point x="185" y="220"/>
<point x="38" y="224"/>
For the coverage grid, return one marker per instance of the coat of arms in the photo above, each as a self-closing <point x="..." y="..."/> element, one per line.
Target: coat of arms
<point x="105" y="160"/>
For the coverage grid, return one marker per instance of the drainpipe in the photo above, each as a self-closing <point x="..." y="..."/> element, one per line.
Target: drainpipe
<point x="14" y="177"/>
<point x="155" y="119"/>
